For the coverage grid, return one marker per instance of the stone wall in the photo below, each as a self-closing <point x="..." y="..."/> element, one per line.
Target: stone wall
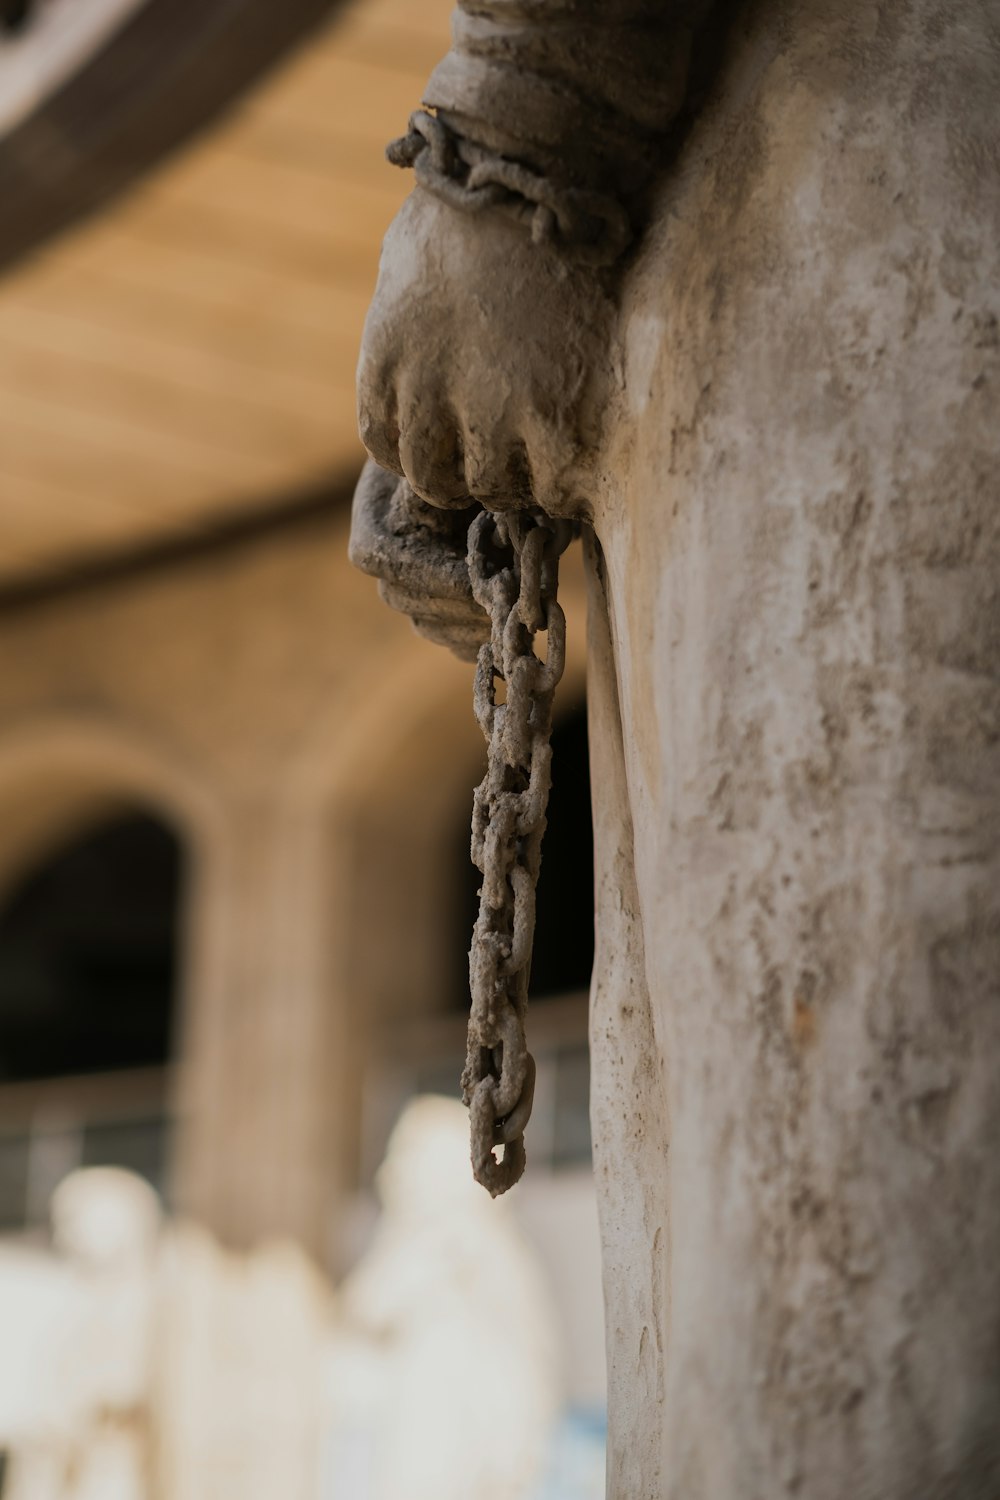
<point x="314" y="755"/>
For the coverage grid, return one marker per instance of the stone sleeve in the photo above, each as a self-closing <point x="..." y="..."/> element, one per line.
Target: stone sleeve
<point x="584" y="89"/>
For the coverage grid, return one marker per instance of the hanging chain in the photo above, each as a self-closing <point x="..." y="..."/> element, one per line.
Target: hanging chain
<point x="514" y="568"/>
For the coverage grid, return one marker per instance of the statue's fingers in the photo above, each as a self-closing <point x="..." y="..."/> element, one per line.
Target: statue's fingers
<point x="497" y="466"/>
<point x="461" y="626"/>
<point x="560" y="477"/>
<point x="378" y="422"/>
<point x="370" y="545"/>
<point x="430" y="450"/>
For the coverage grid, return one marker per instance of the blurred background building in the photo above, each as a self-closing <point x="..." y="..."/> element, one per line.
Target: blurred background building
<point x="235" y="896"/>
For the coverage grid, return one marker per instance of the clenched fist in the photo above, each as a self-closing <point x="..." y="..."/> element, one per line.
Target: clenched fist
<point x="486" y="362"/>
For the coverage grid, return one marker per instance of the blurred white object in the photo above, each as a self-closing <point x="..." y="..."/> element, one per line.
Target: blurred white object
<point x="138" y="1360"/>
<point x="77" y="1346"/>
<point x="448" y="1353"/>
<point x="141" y="1360"/>
<point x="239" y="1373"/>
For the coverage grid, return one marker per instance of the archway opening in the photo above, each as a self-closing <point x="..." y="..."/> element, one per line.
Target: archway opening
<point x="89" y="955"/>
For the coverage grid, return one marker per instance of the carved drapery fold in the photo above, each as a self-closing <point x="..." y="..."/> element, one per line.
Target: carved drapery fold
<point x="579" y="88"/>
<point x="557" y="113"/>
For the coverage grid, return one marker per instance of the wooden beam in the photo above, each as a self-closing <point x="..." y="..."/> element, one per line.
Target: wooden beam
<point x="175" y="65"/>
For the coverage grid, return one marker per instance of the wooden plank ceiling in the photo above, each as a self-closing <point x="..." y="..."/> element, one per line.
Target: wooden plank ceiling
<point x="190" y="354"/>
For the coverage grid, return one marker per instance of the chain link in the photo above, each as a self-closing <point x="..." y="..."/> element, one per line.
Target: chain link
<point x="593" y="227"/>
<point x="514" y="569"/>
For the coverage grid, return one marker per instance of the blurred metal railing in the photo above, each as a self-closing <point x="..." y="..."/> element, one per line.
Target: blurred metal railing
<point x="52" y="1126"/>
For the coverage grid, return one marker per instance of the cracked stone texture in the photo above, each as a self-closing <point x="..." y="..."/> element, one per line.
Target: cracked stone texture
<point x="801" y="560"/>
<point x="783" y="426"/>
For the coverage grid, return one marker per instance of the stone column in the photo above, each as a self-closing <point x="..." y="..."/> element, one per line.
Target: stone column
<point x="801" y="555"/>
<point x="318" y="914"/>
<point x="266" y="1043"/>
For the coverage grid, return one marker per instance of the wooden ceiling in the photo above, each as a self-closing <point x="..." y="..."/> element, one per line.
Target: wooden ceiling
<point x="189" y="355"/>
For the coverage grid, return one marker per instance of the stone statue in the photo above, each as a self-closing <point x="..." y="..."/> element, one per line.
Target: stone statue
<point x="238" y="1394"/>
<point x="140" y="1359"/>
<point x="77" y="1355"/>
<point x="446" y="1354"/>
<point x="721" y="283"/>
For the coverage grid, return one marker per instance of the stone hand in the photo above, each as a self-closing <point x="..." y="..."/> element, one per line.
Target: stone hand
<point x="417" y="552"/>
<point x="486" y="360"/>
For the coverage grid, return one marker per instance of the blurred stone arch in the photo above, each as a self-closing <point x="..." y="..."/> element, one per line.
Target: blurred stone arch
<point x="103" y="839"/>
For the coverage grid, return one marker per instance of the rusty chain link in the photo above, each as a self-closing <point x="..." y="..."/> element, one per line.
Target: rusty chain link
<point x="513" y="563"/>
<point x="593" y="227"/>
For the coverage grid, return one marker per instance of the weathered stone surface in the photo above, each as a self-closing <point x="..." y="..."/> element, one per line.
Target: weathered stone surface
<point x="802" y="555"/>
<point x="791" y="473"/>
<point x="418" y="553"/>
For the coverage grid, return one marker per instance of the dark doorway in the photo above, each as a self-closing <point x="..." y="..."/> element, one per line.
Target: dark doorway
<point x="88" y="958"/>
<point x="88" y="952"/>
